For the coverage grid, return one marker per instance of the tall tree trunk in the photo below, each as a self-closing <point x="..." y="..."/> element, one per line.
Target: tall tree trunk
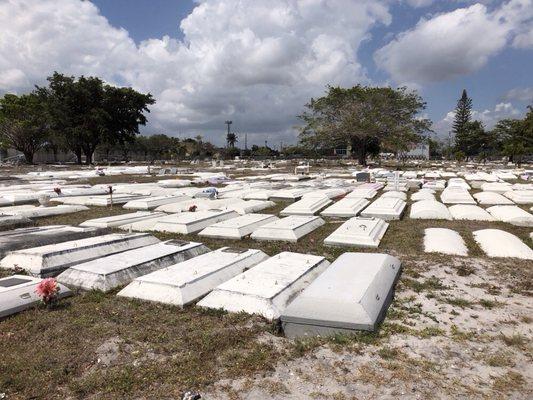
<point x="77" y="152"/>
<point x="28" y="155"/>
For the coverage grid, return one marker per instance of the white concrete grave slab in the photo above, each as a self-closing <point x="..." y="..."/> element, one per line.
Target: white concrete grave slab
<point x="14" y="221"/>
<point x="257" y="194"/>
<point x="401" y="186"/>
<point x="354" y="293"/>
<point x="385" y="208"/>
<point x="456" y="195"/>
<point x="346" y="207"/>
<point x="395" y="194"/>
<point x="330" y="193"/>
<point x="439" y="184"/>
<point x="145" y="225"/>
<point x="470" y="212"/>
<point x="174" y="183"/>
<point x="41" y="212"/>
<point x="17" y="293"/>
<point x="250" y="206"/>
<point x="498" y="243"/>
<point x="423" y="194"/>
<point x="121" y="219"/>
<point x="498" y="187"/>
<point x="267" y="288"/>
<point x="288" y="229"/>
<point x="293" y="194"/>
<point x="520" y="196"/>
<point x="358" y="231"/>
<point x="16" y="210"/>
<point x="185" y="282"/>
<point x="513" y="215"/>
<point x="151" y="203"/>
<point x="458" y="182"/>
<point x="192" y="222"/>
<point x="491" y="198"/>
<point x="24" y="238"/>
<point x="105" y="201"/>
<point x="429" y="209"/>
<point x="52" y="259"/>
<point x="445" y="241"/>
<point x="306" y="206"/>
<point x="108" y="273"/>
<point x="359" y="192"/>
<point x="238" y="227"/>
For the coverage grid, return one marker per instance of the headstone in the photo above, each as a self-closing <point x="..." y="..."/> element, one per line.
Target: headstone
<point x="354" y="293"/>
<point x="347" y="207"/>
<point x="358" y="231"/>
<point x="445" y="241"/>
<point x="498" y="243"/>
<point x="362" y="177"/>
<point x="429" y="209"/>
<point x="52" y="259"/>
<point x="187" y="281"/>
<point x="238" y="227"/>
<point x="192" y="222"/>
<point x="385" y="208"/>
<point x="288" y="229"/>
<point x="306" y="206"/>
<point x="108" y="273"/>
<point x="267" y="288"/>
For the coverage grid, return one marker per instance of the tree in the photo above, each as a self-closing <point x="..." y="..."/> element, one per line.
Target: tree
<point x="365" y="118"/>
<point x="516" y="136"/>
<point x="463" y="115"/>
<point x="23" y="123"/>
<point x="231" y="139"/>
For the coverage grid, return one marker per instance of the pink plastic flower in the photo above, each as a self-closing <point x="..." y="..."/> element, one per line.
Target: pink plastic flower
<point x="47" y="290"/>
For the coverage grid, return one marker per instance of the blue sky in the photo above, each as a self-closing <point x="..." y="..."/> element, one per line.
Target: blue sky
<point x="258" y="62"/>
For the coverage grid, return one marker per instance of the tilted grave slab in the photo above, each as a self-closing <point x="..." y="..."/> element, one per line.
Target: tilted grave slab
<point x="250" y="206"/>
<point x="293" y="194"/>
<point x="267" y="288"/>
<point x="52" y="259"/>
<point x="354" y="293"/>
<point x="306" y="206"/>
<point x="346" y="207"/>
<point x="238" y="227"/>
<point x="520" y="196"/>
<point x="288" y="229"/>
<point x="456" y="195"/>
<point x="395" y="194"/>
<point x="444" y="241"/>
<point x="152" y="203"/>
<point x="429" y="209"/>
<point x="358" y="231"/>
<point x="498" y="243"/>
<point x="192" y="222"/>
<point x="41" y="212"/>
<point x="492" y="198"/>
<point x="385" y="208"/>
<point x="17" y="293"/>
<point x="185" y="282"/>
<point x="121" y="219"/>
<point x="470" y="212"/>
<point x="513" y="215"/>
<point x="108" y="273"/>
<point x="25" y="238"/>
<point x="365" y="193"/>
<point x="106" y="201"/>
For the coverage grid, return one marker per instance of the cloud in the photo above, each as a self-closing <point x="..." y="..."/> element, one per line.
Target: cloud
<point x="520" y="94"/>
<point x="455" y="43"/>
<point x="256" y="63"/>
<point x="419" y="3"/>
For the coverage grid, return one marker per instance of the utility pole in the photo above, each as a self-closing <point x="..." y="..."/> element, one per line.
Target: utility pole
<point x="228" y="123"/>
<point x="245" y="141"/>
<point x="266" y="145"/>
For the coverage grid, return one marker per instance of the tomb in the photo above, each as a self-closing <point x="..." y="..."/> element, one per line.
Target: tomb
<point x="41" y="212"/>
<point x="456" y="195"/>
<point x="238" y="227"/>
<point x="17" y="293"/>
<point x="358" y="231"/>
<point x="293" y="194"/>
<point x="445" y="241"/>
<point x="354" y="293"/>
<point x="491" y="198"/>
<point x="288" y="229"/>
<point x="513" y="215"/>
<point x="192" y="222"/>
<point x="121" y="219"/>
<point x="346" y="207"/>
<point x="106" y="201"/>
<point x="359" y="192"/>
<point x="150" y="203"/>
<point x="250" y="206"/>
<point x="498" y="243"/>
<point x="306" y="206"/>
<point x="470" y="212"/>
<point x="385" y="208"/>
<point x="429" y="209"/>
<point x="520" y="196"/>
<point x="108" y="273"/>
<point x="14" y="221"/>
<point x="52" y="259"/>
<point x="395" y="194"/>
<point x="498" y="187"/>
<point x="458" y="182"/>
<point x="187" y="281"/>
<point x="423" y="194"/>
<point x="267" y="288"/>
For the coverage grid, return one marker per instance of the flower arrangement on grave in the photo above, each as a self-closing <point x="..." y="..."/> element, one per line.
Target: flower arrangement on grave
<point x="48" y="290"/>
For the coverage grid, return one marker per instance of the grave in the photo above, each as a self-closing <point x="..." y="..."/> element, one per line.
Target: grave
<point x="250" y="206"/>
<point x="470" y="212"/>
<point x="187" y="281"/>
<point x="358" y="231"/>
<point x="238" y="227"/>
<point x="513" y="215"/>
<point x="445" y="241"/>
<point x="359" y="192"/>
<point x="151" y="203"/>
<point x="52" y="259"/>
<point x="491" y="198"/>
<point x="306" y="206"/>
<point x="267" y="288"/>
<point x="108" y="273"/>
<point x="354" y="293"/>
<point x="456" y="195"/>
<point x="498" y="187"/>
<point x="395" y="194"/>
<point x="330" y="193"/>
<point x="14" y="221"/>
<point x="17" y="293"/>
<point x="121" y="219"/>
<point x="458" y="183"/>
<point x="346" y="207"/>
<point x="106" y="201"/>
<point x="520" y="196"/>
<point x="498" y="243"/>
<point x="423" y="194"/>
<point x="24" y="238"/>
<point x="429" y="209"/>
<point x="41" y="212"/>
<point x="439" y="184"/>
<point x="288" y="229"/>
<point x="192" y="222"/>
<point x="145" y="225"/>
<point x="385" y="208"/>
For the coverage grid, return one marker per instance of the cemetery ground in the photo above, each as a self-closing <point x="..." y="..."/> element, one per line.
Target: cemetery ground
<point x="459" y="327"/>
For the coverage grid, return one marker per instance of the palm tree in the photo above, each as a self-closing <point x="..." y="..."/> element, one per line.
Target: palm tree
<point x="231" y="139"/>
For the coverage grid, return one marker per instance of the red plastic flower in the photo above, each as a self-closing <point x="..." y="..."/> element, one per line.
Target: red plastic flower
<point x="47" y="290"/>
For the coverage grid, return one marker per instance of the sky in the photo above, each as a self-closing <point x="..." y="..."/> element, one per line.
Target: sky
<point x="257" y="63"/>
